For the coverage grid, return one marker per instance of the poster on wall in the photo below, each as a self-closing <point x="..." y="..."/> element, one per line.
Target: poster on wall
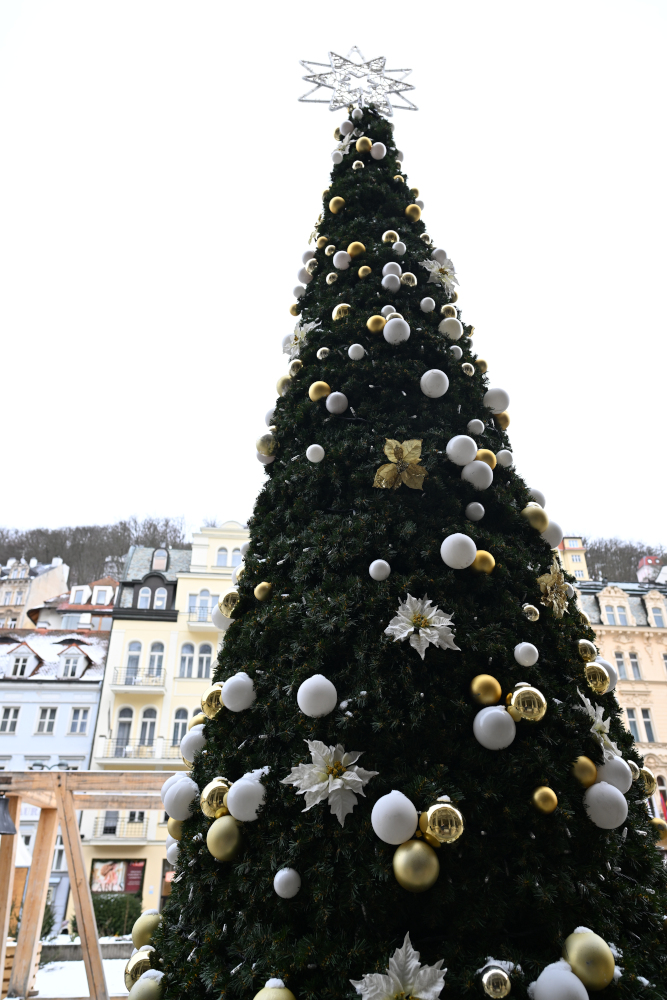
<point x="116" y="876"/>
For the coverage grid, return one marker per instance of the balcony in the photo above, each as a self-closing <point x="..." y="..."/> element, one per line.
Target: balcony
<point x="199" y="620"/>
<point x="160" y="750"/>
<point x="139" y="680"/>
<point x="107" y="828"/>
<point x="131" y="749"/>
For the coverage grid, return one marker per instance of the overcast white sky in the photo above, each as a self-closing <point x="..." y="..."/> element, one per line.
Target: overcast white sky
<point x="158" y="184"/>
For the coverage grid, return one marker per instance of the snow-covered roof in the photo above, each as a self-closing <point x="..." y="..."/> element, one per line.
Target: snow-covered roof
<point x="49" y="647"/>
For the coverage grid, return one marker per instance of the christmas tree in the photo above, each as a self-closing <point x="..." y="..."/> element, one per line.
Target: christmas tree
<point x="411" y="777"/>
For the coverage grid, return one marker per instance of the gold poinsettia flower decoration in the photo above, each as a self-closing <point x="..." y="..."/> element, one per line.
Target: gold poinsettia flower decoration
<point x="554" y="589"/>
<point x="403" y="466"/>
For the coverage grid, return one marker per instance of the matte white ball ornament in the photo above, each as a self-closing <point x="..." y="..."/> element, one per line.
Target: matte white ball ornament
<point x="244" y="799"/>
<point x="304" y="277"/>
<point x="609" y="667"/>
<point x="391" y="282"/>
<point x="179" y="798"/>
<point x="505" y="458"/>
<point x="538" y="497"/>
<point x="494" y="727"/>
<point x="461" y="449"/>
<point x="525" y="654"/>
<point x="169" y="782"/>
<point x="616" y="772"/>
<point x="392" y="268"/>
<point x="265" y="459"/>
<point x="420" y="203"/>
<point x="427" y="305"/>
<point x="238" y="692"/>
<point x="317" y="696"/>
<point x="379" y="569"/>
<point x="558" y="982"/>
<point x="606" y="805"/>
<point x="172" y="853"/>
<point x="315" y="453"/>
<point x="355" y="352"/>
<point x="386" y="310"/>
<point x="451" y="328"/>
<point x="396" y="330"/>
<point x="268" y="418"/>
<point x="399" y="248"/>
<point x="458" y="551"/>
<point x="307" y="255"/>
<point x="170" y="840"/>
<point x="286" y="883"/>
<point x="478" y="474"/>
<point x="497" y="400"/>
<point x="337" y="156"/>
<point x="378" y="151"/>
<point x="553" y="534"/>
<point x="457" y="352"/>
<point x="192" y="743"/>
<point x="346" y="127"/>
<point x="357" y="114"/>
<point x="474" y="512"/>
<point x="342" y="260"/>
<point x="434" y="383"/>
<point x="221" y="622"/>
<point x="399" y="156"/>
<point x="336" y="402"/>
<point x="394" y="818"/>
<point x="439" y="255"/>
<point x="475" y="426"/>
<point x="297" y="292"/>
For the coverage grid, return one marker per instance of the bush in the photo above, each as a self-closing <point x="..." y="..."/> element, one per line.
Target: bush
<point x="115" y="913"/>
<point x="47" y="922"/>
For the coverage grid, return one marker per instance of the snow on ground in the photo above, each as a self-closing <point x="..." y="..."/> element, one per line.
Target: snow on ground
<point x="68" y="979"/>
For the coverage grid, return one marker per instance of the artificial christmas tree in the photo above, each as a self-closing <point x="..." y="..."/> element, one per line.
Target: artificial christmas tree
<point x="416" y="748"/>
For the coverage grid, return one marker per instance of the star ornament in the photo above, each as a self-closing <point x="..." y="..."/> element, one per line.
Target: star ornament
<point x="359" y="81"/>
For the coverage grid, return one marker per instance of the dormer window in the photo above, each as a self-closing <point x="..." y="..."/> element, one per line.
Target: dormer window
<point x="77" y="597"/>
<point x="20" y="666"/>
<point x="144" y="598"/>
<point x="160" y="599"/>
<point x="101" y="597"/>
<point x="70" y="666"/>
<point x="658" y="618"/>
<point x="622" y="617"/>
<point x="160" y="558"/>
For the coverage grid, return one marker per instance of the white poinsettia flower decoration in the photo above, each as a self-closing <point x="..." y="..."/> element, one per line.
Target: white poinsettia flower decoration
<point x="600" y="727"/>
<point x="347" y="140"/>
<point x="423" y="623"/>
<point x="440" y="274"/>
<point x="405" y="978"/>
<point x="301" y="331"/>
<point x="333" y="776"/>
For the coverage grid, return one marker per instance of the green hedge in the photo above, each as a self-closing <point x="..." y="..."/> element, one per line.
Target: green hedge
<point x="115" y="913"/>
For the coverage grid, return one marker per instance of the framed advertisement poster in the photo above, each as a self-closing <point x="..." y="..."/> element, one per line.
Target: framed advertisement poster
<point x="117" y="876"/>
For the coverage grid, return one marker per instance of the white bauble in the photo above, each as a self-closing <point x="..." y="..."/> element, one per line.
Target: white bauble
<point x="439" y="255"/>
<point x="179" y="798"/>
<point x="474" y="512"/>
<point x="170" y="840"/>
<point x="172" y="853"/>
<point x="609" y="667"/>
<point x="244" y="548"/>
<point x="538" y="497"/>
<point x="478" y="474"/>
<point x="553" y="534"/>
<point x="391" y="282"/>
<point x="192" y="743"/>
<point x="475" y="427"/>
<point x="494" y="727"/>
<point x="525" y="654"/>
<point x="606" y="805"/>
<point x="244" y="799"/>
<point x="265" y="459"/>
<point x="569" y="590"/>
<point x="458" y="551"/>
<point x="394" y="818"/>
<point x="505" y="458"/>
<point x="235" y="574"/>
<point x="396" y="330"/>
<point x="307" y="255"/>
<point x="451" y="328"/>
<point x="269" y="415"/>
<point x="238" y="692"/>
<point x="399" y="248"/>
<point x="314" y="452"/>
<point x="357" y="114"/>
<point x="427" y="305"/>
<point x="392" y="268"/>
<point x="399" y="156"/>
<point x="420" y="203"/>
<point x="355" y="352"/>
<point x="169" y="782"/>
<point x="286" y="883"/>
<point x="497" y="400"/>
<point x="304" y="277"/>
<point x="461" y="449"/>
<point x="558" y="982"/>
<point x="434" y="383"/>
<point x="220" y="621"/>
<point x="342" y="260"/>
<point x="317" y="696"/>
<point x="297" y="292"/>
<point x="386" y="310"/>
<point x="337" y="156"/>
<point x="346" y="127"/>
<point x="379" y="569"/>
<point x="378" y="151"/>
<point x="616" y="772"/>
<point x="336" y="402"/>
<point x="456" y="352"/>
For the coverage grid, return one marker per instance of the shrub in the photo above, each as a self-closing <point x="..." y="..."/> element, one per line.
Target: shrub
<point x="115" y="913"/>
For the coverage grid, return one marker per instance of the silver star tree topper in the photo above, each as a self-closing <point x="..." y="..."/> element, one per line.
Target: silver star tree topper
<point x="358" y="81"/>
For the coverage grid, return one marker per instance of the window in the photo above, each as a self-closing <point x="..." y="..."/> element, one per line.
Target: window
<point x="160" y="600"/>
<point x="573" y="543"/>
<point x="19" y="597"/>
<point x="155" y="659"/>
<point x="180" y="726"/>
<point x="71" y="663"/>
<point x="622" y="617"/>
<point x="579" y="573"/>
<point x="632" y="724"/>
<point x="236" y="557"/>
<point x="77" y="597"/>
<point x="144" y="598"/>
<point x="10" y="716"/>
<point x="160" y="558"/>
<point x="7" y="597"/>
<point x="648" y="725"/>
<point x="148" y="727"/>
<point x="133" y="657"/>
<point x="27" y="837"/>
<point x="204" y="663"/>
<point x="576" y="557"/>
<point x="634" y="664"/>
<point x="71" y="621"/>
<point x="658" y="618"/>
<point x="20" y="666"/>
<point x="662" y="796"/>
<point x="123" y="733"/>
<point x="58" y="855"/>
<point x="79" y="723"/>
<point x="101" y="596"/>
<point x="664" y="660"/>
<point x="47" y="720"/>
<point x="135" y="816"/>
<point x="609" y="612"/>
<point x="187" y="658"/>
<point x="222" y="557"/>
<point x="110" y="822"/>
<point x="620" y="666"/>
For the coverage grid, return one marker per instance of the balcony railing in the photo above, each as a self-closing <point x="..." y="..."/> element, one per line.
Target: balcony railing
<point x="171" y="750"/>
<point x="199" y="615"/>
<point x="132" y="677"/>
<point x="130" y="749"/>
<point x="105" y="827"/>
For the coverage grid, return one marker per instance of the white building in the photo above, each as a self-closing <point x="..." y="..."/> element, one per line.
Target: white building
<point x="25" y="585"/>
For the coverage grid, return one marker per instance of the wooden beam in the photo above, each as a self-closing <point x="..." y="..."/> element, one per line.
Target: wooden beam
<point x="31" y="782"/>
<point x="8" y="845"/>
<point x="94" y="800"/>
<point x="81" y="897"/>
<point x="34" y="905"/>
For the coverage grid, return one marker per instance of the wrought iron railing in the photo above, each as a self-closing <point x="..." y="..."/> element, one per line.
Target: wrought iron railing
<point x="106" y="826"/>
<point x="130" y="749"/>
<point x="133" y="677"/>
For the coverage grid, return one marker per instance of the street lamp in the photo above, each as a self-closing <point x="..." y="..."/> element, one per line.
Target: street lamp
<point x="62" y="765"/>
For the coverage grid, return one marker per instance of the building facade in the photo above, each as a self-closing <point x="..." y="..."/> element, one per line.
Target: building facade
<point x="573" y="557"/>
<point x="25" y="585"/>
<point x="86" y="607"/>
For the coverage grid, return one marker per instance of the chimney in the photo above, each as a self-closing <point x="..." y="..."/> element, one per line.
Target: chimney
<point x="648" y="568"/>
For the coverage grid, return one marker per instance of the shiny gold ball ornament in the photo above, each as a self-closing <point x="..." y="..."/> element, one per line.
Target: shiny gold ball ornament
<point x="294" y="309"/>
<point x="660" y="827"/>
<point x="587" y="651"/>
<point x="319" y="390"/>
<point x="364" y="271"/>
<point x="449" y="311"/>
<point x="211" y="701"/>
<point x="467" y="369"/>
<point x="496" y="983"/>
<point x="597" y="677"/>
<point x="336" y="205"/>
<point x="544" y="799"/>
<point x="295" y="367"/>
<point x="485" y="689"/>
<point x="283" y="384"/>
<point x="322" y="353"/>
<point x="139" y="963"/>
<point x="390" y="236"/>
<point x="536" y="516"/>
<point x="376" y="323"/>
<point x="228" y="602"/>
<point x="531" y="612"/>
<point x="414" y="192"/>
<point x="413" y="213"/>
<point x="591" y="959"/>
<point x="502" y="420"/>
<point x="197" y="720"/>
<point x="274" y="993"/>
<point x="266" y="444"/>
<point x="331" y="277"/>
<point x="363" y="144"/>
<point x="409" y="279"/>
<point x="444" y="822"/>
<point x="322" y="242"/>
<point x="341" y="311"/>
<point x="212" y="797"/>
<point x="483" y="562"/>
<point x="175" y="826"/>
<point x="312" y="265"/>
<point x="330" y="250"/>
<point x="529" y="703"/>
<point x="144" y="928"/>
<point x="358" y="165"/>
<point x="399" y="178"/>
<point x="585" y="771"/>
<point x="649" y="780"/>
<point x="224" y="838"/>
<point x="634" y="770"/>
<point x="425" y="238"/>
<point x="356" y="249"/>
<point x="263" y="590"/>
<point x="337" y="135"/>
<point x="486" y="455"/>
<point x="482" y="365"/>
<point x="416" y="866"/>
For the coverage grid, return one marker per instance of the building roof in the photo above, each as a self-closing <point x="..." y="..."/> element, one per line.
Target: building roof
<point x="634" y="592"/>
<point x="139" y="561"/>
<point x="106" y="581"/>
<point x="49" y="646"/>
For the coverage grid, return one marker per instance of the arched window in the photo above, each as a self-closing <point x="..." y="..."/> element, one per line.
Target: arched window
<point x="121" y="743"/>
<point x="204" y="663"/>
<point x="160" y="599"/>
<point x="160" y="559"/>
<point x="133" y="658"/>
<point x="144" y="598"/>
<point x="180" y="726"/>
<point x="203" y="605"/>
<point x="147" y="736"/>
<point x="236" y="557"/>
<point x="155" y="659"/>
<point x="222" y="557"/>
<point x="187" y="659"/>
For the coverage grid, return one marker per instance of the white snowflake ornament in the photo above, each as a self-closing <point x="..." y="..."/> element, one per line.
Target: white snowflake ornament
<point x="440" y="273"/>
<point x="332" y="776"/>
<point x="405" y="978"/>
<point x="423" y="623"/>
<point x="600" y="727"/>
<point x="299" y="338"/>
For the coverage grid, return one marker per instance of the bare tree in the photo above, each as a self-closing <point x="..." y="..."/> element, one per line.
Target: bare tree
<point x="616" y="560"/>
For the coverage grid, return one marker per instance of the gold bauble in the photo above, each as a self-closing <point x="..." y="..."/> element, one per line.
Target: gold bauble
<point x="139" y="963"/>
<point x="331" y="277"/>
<point x="444" y="822"/>
<point x="337" y="135"/>
<point x="471" y="330"/>
<point x="502" y="420"/>
<point x="336" y="204"/>
<point x="587" y="651"/>
<point x="363" y="144"/>
<point x="376" y="323"/>
<point x="454" y="297"/>
<point x="425" y="238"/>
<point x="649" y="780"/>
<point x="228" y="602"/>
<point x="197" y="720"/>
<point x="482" y="365"/>
<point x="263" y="590"/>
<point x="146" y="989"/>
<point x="591" y="959"/>
<point x="496" y="983"/>
<point x="414" y="192"/>
<point x="597" y="677"/>
<point x="486" y="455"/>
<point x="274" y="993"/>
<point x="144" y="928"/>
<point x="485" y="689"/>
<point x="585" y="771"/>
<point x="416" y="866"/>
<point x="312" y="265"/>
<point x="536" y="516"/>
<point x="414" y="213"/>
<point x="358" y="165"/>
<point x="467" y="369"/>
<point x="295" y="367"/>
<point x="322" y="242"/>
<point x="212" y="796"/>
<point x="408" y="278"/>
<point x="356" y="249"/>
<point x="660" y="827"/>
<point x="175" y="826"/>
<point x="530" y="703"/>
<point x="282" y="385"/>
<point x="266" y="444"/>
<point x="584" y="617"/>
<point x="322" y="353"/>
<point x="364" y="271"/>
<point x="399" y="178"/>
<point x="390" y="236"/>
<point x="294" y="309"/>
<point x="545" y="799"/>
<point x="224" y="838"/>
<point x="531" y="612"/>
<point x="449" y="311"/>
<point x="211" y="701"/>
<point x="633" y="769"/>
<point x="319" y="390"/>
<point x="330" y="250"/>
<point x="340" y="311"/>
<point x="483" y="562"/>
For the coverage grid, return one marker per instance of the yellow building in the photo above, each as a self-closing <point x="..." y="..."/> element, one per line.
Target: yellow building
<point x="162" y="652"/>
<point x="573" y="557"/>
